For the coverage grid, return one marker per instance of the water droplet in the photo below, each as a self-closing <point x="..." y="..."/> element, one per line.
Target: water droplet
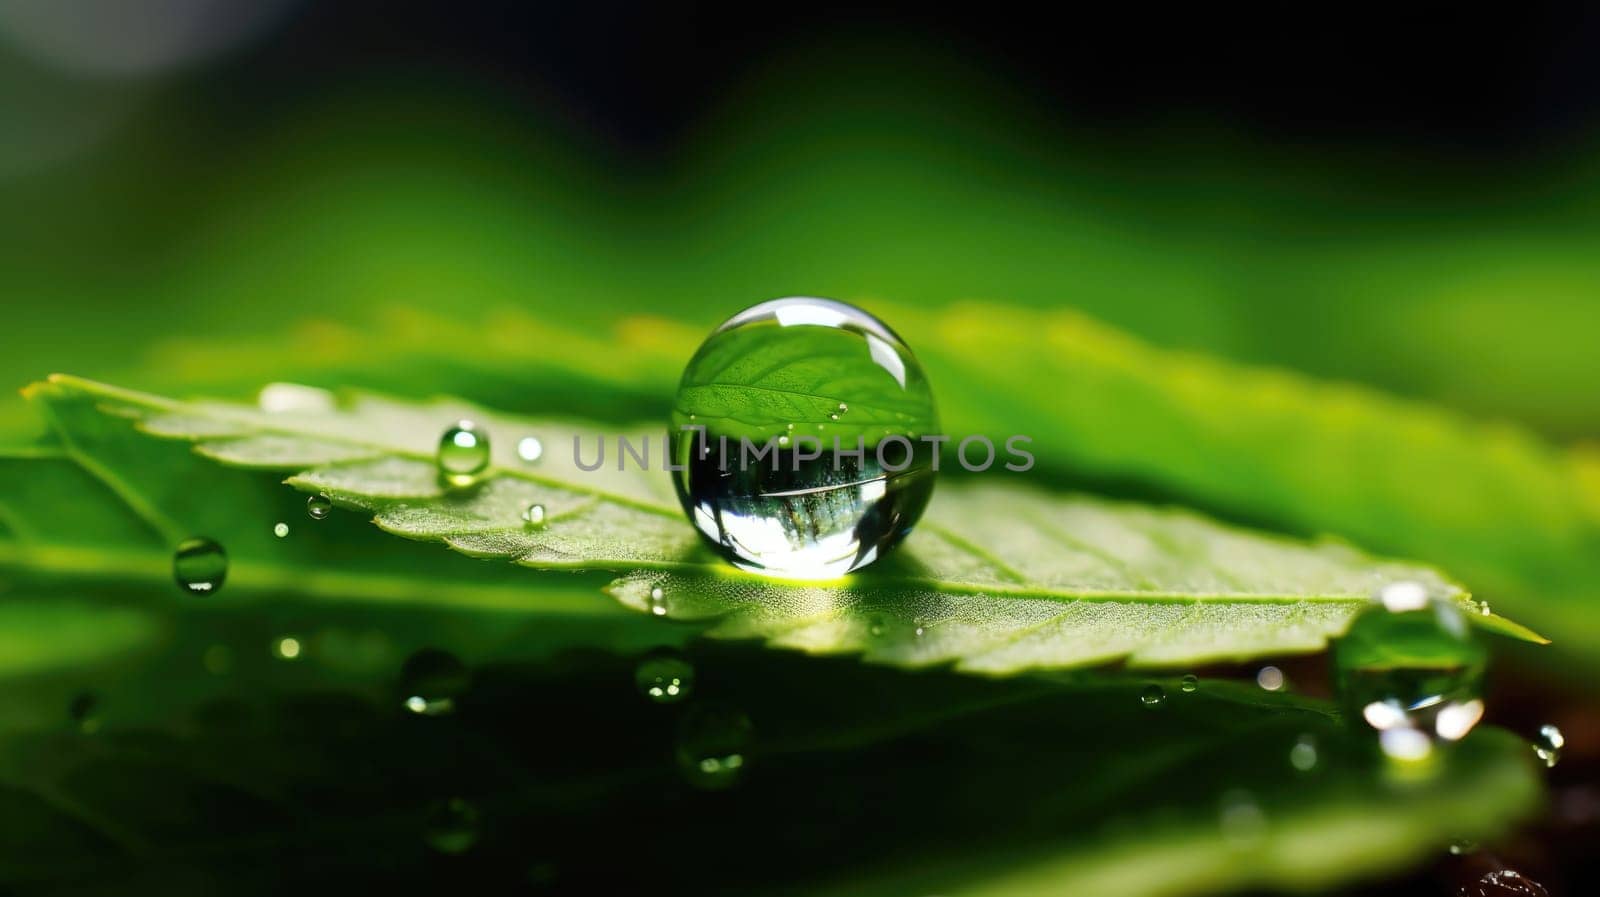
<point x="452" y="826"/>
<point x="533" y="515"/>
<point x="319" y="507"/>
<point x="530" y="449"/>
<point x="876" y="626"/>
<point x="1412" y="674"/>
<point x="783" y="440"/>
<point x="1504" y="883"/>
<point x="1152" y="695"/>
<point x="431" y="680"/>
<point x="200" y="566"/>
<point x="287" y="648"/>
<point x="713" y="744"/>
<point x="1303" y="756"/>
<point x="1189" y="683"/>
<point x="280" y="529"/>
<point x="1547" y="746"/>
<point x="463" y="453"/>
<point x="664" y="677"/>
<point x="1463" y="846"/>
<point x="918" y="632"/>
<point x="658" y="602"/>
<point x="1271" y="678"/>
<point x="84" y="709"/>
<point x="821" y="513"/>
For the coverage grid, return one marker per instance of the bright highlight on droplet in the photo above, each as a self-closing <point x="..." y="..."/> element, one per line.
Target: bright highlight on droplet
<point x="533" y="515"/>
<point x="1399" y="597"/>
<point x="530" y="449"/>
<point x="1190" y="683"/>
<point x="658" y="602"/>
<point x="280" y="529"/>
<point x="1152" y="696"/>
<point x="286" y="648"/>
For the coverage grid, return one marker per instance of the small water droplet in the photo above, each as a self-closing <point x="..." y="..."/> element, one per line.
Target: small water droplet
<point x="1504" y="883"/>
<point x="1152" y="695"/>
<point x="876" y="626"/>
<point x="1402" y="596"/>
<point x="319" y="507"/>
<point x="791" y="426"/>
<point x="1463" y="846"/>
<point x="287" y="648"/>
<point x="1405" y="745"/>
<point x="530" y="449"/>
<point x="452" y="826"/>
<point x="713" y="744"/>
<point x="1547" y="746"/>
<point x="1271" y="678"/>
<point x="280" y="529"/>
<point x="783" y="440"/>
<point x="843" y="407"/>
<point x="199" y="566"/>
<point x="84" y="709"/>
<point x="664" y="677"/>
<point x="533" y="515"/>
<point x="918" y="632"/>
<point x="463" y="453"/>
<point x="833" y="416"/>
<point x="1189" y="683"/>
<point x="431" y="680"/>
<point x="280" y="398"/>
<point x="658" y="602"/>
<point x="1303" y="756"/>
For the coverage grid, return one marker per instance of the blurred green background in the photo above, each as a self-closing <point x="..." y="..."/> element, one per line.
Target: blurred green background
<point x="1351" y="201"/>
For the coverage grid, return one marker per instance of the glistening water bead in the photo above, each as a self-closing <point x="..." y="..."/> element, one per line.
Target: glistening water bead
<point x="796" y="430"/>
<point x="463" y="453"/>
<point x="1410" y="668"/>
<point x="199" y="565"/>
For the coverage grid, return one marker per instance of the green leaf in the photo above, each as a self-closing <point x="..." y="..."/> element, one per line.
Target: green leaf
<point x="998" y="579"/>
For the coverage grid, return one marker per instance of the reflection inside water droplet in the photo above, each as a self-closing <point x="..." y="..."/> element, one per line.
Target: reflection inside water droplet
<point x="713" y="746"/>
<point x="533" y="515"/>
<point x="431" y="681"/>
<point x="1504" y="883"/>
<point x="318" y="507"/>
<point x="199" y="566"/>
<point x="1271" y="678"/>
<point x="280" y="529"/>
<point x="658" y="602"/>
<point x="1152" y="695"/>
<point x="529" y="449"/>
<point x="1190" y="683"/>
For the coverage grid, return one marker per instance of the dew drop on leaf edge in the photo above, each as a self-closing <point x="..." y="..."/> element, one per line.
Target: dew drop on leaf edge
<point x="1411" y="668"/>
<point x="200" y="566"/>
<point x="318" y="507"/>
<point x="805" y="511"/>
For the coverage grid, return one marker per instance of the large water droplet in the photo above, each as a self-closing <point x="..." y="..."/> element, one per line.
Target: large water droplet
<point x="1412" y="674"/>
<point x="452" y="826"/>
<point x="811" y="507"/>
<point x="713" y="744"/>
<point x="463" y="453"/>
<point x="1504" y="883"/>
<point x="319" y="507"/>
<point x="1152" y="695"/>
<point x="199" y="566"/>
<point x="664" y="677"/>
<point x="431" y="680"/>
<point x="1548" y="744"/>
